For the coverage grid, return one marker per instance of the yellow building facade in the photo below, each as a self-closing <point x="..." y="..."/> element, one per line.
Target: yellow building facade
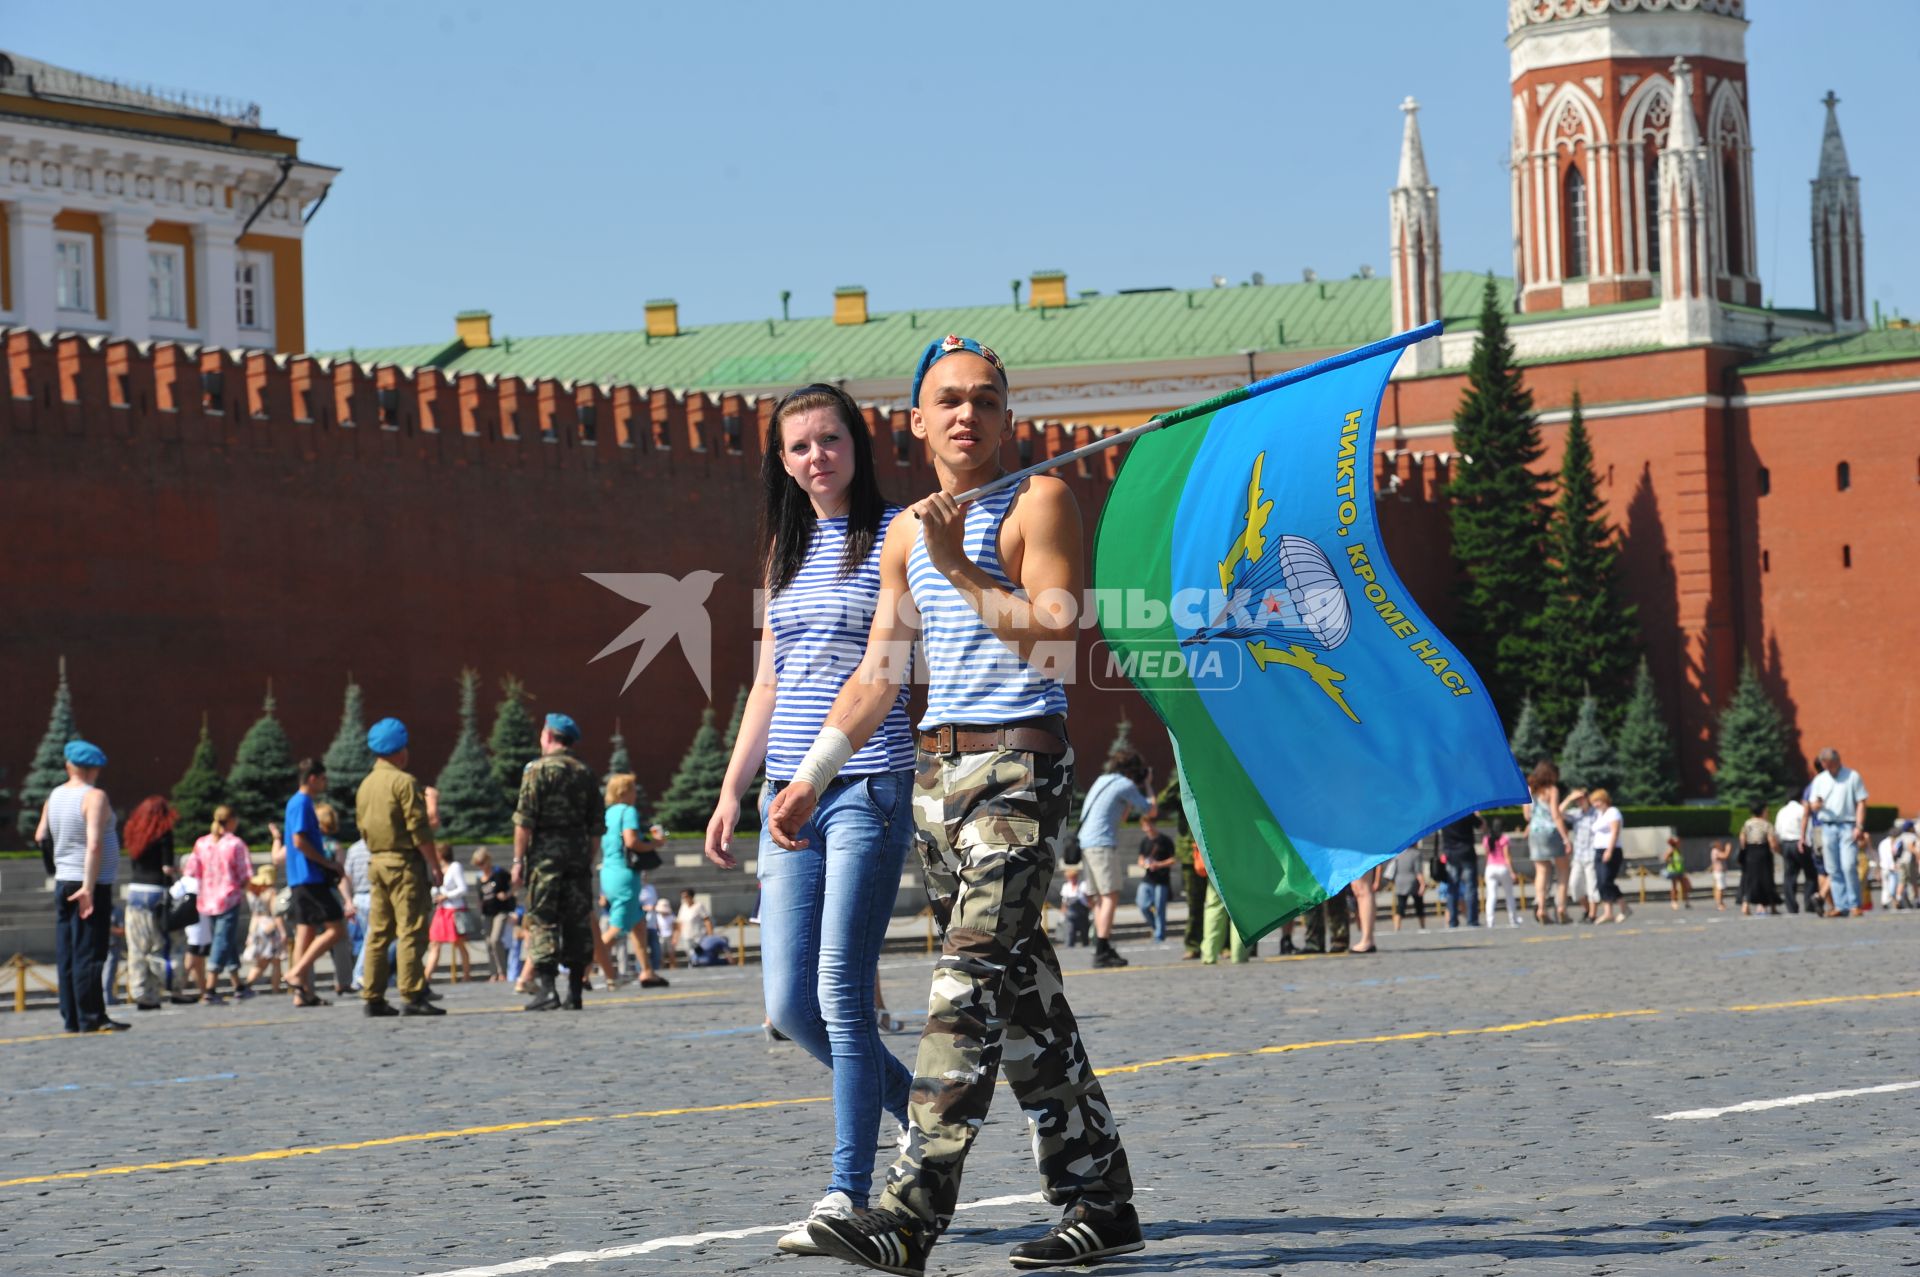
<point x="149" y="214"/>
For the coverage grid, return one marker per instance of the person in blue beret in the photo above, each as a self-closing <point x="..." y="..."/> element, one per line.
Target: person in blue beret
<point x="79" y="822"/>
<point x="556" y="827"/>
<point x="402" y="870"/>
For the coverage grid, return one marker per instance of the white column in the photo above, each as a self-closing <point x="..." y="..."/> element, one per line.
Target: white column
<point x="125" y="249"/>
<point x="30" y="230"/>
<point x="214" y="256"/>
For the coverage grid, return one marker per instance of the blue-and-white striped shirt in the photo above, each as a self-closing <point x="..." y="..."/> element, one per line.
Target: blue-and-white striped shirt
<point x="820" y="624"/>
<point x="973" y="677"/>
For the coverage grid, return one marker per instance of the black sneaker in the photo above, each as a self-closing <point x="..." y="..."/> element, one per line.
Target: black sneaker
<point x="883" y="1240"/>
<point x="1082" y="1238"/>
<point x="375" y="1008"/>
<point x="420" y="1006"/>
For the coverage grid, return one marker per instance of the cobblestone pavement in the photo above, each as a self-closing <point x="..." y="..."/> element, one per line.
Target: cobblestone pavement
<point x="1473" y="1101"/>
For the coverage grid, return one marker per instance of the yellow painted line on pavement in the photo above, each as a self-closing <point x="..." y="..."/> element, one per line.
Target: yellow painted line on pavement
<point x="418" y="1137"/>
<point x="539" y="1124"/>
<point x="1826" y="1002"/>
<point x="1520" y="1026"/>
<point x="211" y="1025"/>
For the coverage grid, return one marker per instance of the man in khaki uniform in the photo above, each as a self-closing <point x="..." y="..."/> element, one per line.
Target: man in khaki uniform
<point x="392" y="811"/>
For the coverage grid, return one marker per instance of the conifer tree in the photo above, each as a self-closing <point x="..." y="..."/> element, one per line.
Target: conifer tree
<point x="1499" y="517"/>
<point x="1588" y="634"/>
<point x="470" y="801"/>
<point x="1752" y="742"/>
<point x="1644" y="747"/>
<point x="261" y="778"/>
<point x="514" y="741"/>
<point x="750" y="805"/>
<point x="201" y="787"/>
<point x="695" y="787"/>
<point x="1587" y="759"/>
<point x="1528" y="743"/>
<point x="349" y="760"/>
<point x="617" y="759"/>
<point x="1122" y="736"/>
<point x="48" y="770"/>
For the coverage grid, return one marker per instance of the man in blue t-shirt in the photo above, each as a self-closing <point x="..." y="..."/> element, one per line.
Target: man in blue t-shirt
<point x="318" y="917"/>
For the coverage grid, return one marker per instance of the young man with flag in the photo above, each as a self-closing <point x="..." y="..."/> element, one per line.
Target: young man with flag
<point x="993" y="587"/>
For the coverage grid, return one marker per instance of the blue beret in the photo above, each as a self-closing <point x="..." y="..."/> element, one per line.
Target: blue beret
<point x="951" y="344"/>
<point x="564" y="729"/>
<point x="82" y="753"/>
<point x="388" y="736"/>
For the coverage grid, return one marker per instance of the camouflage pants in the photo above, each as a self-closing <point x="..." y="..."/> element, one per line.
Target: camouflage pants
<point x="1325" y="918"/>
<point x="560" y="912"/>
<point x="988" y="828"/>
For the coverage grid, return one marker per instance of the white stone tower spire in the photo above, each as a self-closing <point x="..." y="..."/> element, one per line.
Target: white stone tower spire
<point x="1414" y="206"/>
<point x="1838" y="288"/>
<point x="1687" y="307"/>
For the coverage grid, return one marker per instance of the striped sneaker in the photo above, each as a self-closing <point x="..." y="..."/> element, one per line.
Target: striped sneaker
<point x="1082" y="1238"/>
<point x="883" y="1240"/>
<point x="835" y="1205"/>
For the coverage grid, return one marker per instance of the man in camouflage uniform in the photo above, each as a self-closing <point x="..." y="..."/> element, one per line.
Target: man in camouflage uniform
<point x="990" y="828"/>
<point x="554" y="830"/>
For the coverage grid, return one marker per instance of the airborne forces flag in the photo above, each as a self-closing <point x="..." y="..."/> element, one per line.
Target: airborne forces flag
<point x="1320" y="722"/>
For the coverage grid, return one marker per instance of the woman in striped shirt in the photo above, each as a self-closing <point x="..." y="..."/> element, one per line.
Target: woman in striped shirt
<point x="824" y="907"/>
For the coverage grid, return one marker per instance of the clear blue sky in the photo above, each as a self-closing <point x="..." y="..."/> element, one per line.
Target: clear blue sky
<point x="560" y="163"/>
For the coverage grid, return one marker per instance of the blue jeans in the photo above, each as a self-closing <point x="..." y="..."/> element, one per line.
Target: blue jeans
<point x="1843" y="866"/>
<point x="1463" y="879"/>
<point x="1152" y="899"/>
<point x="225" y="952"/>
<point x="823" y="914"/>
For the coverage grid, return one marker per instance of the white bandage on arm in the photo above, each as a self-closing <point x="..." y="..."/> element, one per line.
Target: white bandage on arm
<point x="830" y="752"/>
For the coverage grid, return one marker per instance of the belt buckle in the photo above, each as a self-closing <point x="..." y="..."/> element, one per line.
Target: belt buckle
<point x="946" y="741"/>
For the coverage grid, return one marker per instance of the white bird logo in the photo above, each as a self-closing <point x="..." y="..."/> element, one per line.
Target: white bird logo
<point x="676" y="608"/>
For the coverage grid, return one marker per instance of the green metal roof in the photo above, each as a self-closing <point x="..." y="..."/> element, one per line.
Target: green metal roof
<point x="1106" y="329"/>
<point x="1876" y="345"/>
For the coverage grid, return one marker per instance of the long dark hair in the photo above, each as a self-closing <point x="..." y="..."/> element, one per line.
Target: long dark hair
<point x="786" y="521"/>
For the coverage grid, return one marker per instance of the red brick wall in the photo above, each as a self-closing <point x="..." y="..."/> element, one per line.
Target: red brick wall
<point x="182" y="548"/>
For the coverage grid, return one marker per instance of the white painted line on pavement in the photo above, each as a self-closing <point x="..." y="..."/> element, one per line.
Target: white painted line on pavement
<point x="542" y="1263"/>
<point x="1788" y="1101"/>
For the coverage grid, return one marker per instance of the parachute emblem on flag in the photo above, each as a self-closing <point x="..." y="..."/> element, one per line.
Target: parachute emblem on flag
<point x="1285" y="588"/>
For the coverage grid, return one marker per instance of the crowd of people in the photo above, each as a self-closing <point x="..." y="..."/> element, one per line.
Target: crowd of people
<point x="220" y="924"/>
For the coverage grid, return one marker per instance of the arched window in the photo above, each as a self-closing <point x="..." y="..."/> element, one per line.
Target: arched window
<point x="1731" y="191"/>
<point x="1843" y="476"/>
<point x="1653" y="206"/>
<point x="1765" y="481"/>
<point x="1576" y="205"/>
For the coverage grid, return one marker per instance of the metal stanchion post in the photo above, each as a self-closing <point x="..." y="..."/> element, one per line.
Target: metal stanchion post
<point x="19" y="964"/>
<point x="740" y="924"/>
<point x="928" y="914"/>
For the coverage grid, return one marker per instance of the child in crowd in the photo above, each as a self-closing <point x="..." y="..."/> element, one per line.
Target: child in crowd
<point x="1500" y="871"/>
<point x="1676" y="872"/>
<point x="185" y="894"/>
<point x="266" y="933"/>
<point x="1721" y="854"/>
<point x="1409" y="888"/>
<point x="663" y="932"/>
<point x="1076" y="906"/>
<point x="450" y="901"/>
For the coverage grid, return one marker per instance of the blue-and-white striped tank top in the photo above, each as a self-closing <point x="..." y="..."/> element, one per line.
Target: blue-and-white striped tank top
<point x="67" y="826"/>
<point x="820" y="624"/>
<point x="973" y="677"/>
